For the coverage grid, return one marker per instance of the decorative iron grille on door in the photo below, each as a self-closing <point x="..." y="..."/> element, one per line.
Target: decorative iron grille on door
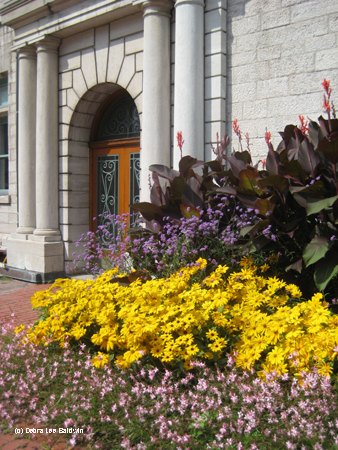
<point x="115" y="161"/>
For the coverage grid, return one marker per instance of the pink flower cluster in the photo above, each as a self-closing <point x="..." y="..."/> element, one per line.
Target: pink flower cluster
<point x="144" y="408"/>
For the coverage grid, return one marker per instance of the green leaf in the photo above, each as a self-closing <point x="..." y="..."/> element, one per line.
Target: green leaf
<point x="249" y="180"/>
<point x="316" y="250"/>
<point x="189" y="213"/>
<point x="258" y="226"/>
<point x="314" y="205"/>
<point x="325" y="270"/>
<point x="264" y="205"/>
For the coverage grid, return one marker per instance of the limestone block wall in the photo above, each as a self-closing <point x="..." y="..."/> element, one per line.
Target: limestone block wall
<point x="8" y="203"/>
<point x="214" y="72"/>
<point x="278" y="53"/>
<point x="92" y="65"/>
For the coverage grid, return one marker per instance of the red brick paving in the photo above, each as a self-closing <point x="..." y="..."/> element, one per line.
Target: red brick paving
<point x="15" y="297"/>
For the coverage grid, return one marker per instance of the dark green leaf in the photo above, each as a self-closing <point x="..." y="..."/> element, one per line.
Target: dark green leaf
<point x="316" y="250"/>
<point x="326" y="269"/>
<point x="258" y="226"/>
<point x="314" y="205"/>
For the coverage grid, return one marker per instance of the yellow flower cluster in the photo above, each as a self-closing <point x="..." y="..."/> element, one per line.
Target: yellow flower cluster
<point x="177" y="320"/>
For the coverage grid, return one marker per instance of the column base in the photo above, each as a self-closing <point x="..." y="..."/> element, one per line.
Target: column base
<point x="35" y="253"/>
<point x="47" y="232"/>
<point x="25" y="230"/>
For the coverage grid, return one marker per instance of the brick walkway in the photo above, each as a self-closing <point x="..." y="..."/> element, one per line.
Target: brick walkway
<point x="15" y="297"/>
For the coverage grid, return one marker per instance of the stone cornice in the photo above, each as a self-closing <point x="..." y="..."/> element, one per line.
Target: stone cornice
<point x="73" y="17"/>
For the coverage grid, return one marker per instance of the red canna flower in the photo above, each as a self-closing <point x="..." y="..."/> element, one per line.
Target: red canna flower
<point x="236" y="129"/>
<point x="326" y="100"/>
<point x="303" y="127"/>
<point x="326" y="86"/>
<point x="267" y="137"/>
<point x="180" y="141"/>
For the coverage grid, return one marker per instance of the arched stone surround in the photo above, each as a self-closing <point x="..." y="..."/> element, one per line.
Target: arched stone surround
<point x="87" y="78"/>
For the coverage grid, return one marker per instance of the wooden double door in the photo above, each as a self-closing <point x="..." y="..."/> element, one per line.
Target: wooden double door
<point x="114" y="179"/>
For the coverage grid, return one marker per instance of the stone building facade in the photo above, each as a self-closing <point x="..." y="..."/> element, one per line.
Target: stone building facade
<point x="92" y="90"/>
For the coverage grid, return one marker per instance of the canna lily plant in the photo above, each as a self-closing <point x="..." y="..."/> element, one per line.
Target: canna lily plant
<point x="295" y="194"/>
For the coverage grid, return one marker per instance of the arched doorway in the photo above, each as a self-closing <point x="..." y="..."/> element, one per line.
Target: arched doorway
<point x="114" y="158"/>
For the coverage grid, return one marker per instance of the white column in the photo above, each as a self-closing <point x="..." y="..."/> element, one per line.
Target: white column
<point x="26" y="138"/>
<point x="155" y="143"/>
<point x="47" y="167"/>
<point x="189" y="78"/>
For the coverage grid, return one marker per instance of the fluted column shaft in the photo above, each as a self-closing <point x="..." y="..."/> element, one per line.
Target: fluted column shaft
<point x="156" y="89"/>
<point x="26" y="138"/>
<point x="189" y="77"/>
<point x="47" y="211"/>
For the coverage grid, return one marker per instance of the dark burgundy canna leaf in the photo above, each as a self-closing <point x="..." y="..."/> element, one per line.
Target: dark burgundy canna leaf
<point x="308" y="158"/>
<point x="298" y="265"/>
<point x="276" y="181"/>
<point x="294" y="170"/>
<point x="149" y="211"/>
<point x="288" y="134"/>
<point x="237" y="165"/>
<point x="186" y="164"/>
<point x="164" y="171"/>
<point x="225" y="141"/>
<point x="271" y="162"/>
<point x="244" y="156"/>
<point x="192" y="194"/>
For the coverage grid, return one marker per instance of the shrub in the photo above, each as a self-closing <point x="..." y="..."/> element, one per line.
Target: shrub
<point x="260" y="320"/>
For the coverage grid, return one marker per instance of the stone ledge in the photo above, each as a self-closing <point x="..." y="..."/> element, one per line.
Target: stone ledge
<point x="30" y="276"/>
<point x="5" y="199"/>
